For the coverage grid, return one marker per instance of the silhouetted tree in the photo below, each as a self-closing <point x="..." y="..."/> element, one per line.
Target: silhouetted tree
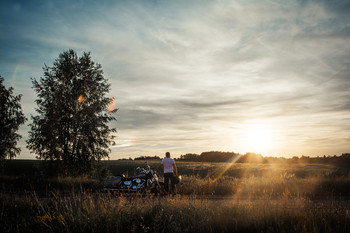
<point x="190" y="157"/>
<point x="11" y="117"/>
<point x="217" y="156"/>
<point x="73" y="114"/>
<point x="250" y="157"/>
<point x="155" y="157"/>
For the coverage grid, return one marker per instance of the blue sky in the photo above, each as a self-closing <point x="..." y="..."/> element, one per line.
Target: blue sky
<point x="270" y="77"/>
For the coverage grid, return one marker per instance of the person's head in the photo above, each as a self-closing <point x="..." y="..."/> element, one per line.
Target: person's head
<point x="167" y="154"/>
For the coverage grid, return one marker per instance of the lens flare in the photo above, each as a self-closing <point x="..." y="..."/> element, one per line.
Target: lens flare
<point x="81" y="99"/>
<point x="111" y="105"/>
<point x="14" y="74"/>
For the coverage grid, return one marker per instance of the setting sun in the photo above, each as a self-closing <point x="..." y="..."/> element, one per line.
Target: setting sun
<point x="257" y="137"/>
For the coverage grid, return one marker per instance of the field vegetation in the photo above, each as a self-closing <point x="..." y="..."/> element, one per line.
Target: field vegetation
<point x="213" y="197"/>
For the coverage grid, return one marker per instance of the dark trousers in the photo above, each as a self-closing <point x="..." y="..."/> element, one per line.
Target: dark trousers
<point x="167" y="177"/>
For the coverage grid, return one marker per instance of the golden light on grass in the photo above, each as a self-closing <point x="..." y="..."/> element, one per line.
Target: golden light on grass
<point x="225" y="168"/>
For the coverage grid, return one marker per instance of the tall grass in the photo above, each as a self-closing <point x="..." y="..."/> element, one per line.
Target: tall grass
<point x="242" y="180"/>
<point x="267" y="187"/>
<point x="86" y="212"/>
<point x="214" y="197"/>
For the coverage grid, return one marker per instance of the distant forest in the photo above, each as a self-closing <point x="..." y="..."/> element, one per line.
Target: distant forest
<point x="217" y="156"/>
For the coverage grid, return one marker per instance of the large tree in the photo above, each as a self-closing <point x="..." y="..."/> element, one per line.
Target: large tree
<point x="73" y="114"/>
<point x="11" y="117"/>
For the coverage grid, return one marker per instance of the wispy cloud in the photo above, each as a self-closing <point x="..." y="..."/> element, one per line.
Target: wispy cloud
<point x="188" y="75"/>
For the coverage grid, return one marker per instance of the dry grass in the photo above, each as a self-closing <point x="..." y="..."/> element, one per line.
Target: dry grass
<point x="215" y="197"/>
<point x="85" y="212"/>
<point x="267" y="187"/>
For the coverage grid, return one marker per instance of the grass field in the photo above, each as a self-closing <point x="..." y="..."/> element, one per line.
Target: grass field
<point x="214" y="197"/>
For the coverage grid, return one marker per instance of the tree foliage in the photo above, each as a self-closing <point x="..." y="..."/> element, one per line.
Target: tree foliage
<point x="11" y="117"/>
<point x="72" y="122"/>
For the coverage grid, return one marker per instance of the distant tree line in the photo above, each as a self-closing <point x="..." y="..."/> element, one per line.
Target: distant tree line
<point x="250" y="157"/>
<point x="148" y="158"/>
<point x="342" y="159"/>
<point x="217" y="156"/>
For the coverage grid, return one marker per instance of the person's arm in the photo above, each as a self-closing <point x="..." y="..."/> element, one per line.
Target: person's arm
<point x="160" y="165"/>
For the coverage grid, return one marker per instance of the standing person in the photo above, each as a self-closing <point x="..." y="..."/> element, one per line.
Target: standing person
<point x="170" y="172"/>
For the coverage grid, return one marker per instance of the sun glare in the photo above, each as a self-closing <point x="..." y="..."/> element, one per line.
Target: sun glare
<point x="257" y="138"/>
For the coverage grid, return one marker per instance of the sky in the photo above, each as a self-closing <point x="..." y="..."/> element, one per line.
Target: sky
<point x="270" y="77"/>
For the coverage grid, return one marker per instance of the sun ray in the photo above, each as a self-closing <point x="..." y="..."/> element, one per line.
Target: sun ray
<point x="226" y="167"/>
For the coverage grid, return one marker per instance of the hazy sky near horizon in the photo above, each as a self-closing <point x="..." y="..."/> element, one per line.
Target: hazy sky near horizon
<point x="271" y="77"/>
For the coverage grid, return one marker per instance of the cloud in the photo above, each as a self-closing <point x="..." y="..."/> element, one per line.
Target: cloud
<point x="189" y="73"/>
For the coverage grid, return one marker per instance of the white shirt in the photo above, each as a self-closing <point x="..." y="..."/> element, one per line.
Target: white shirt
<point x="168" y="165"/>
